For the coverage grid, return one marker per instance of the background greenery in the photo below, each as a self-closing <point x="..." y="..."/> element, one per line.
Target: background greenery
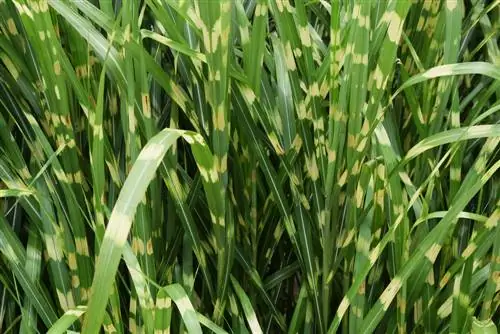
<point x="298" y="166"/>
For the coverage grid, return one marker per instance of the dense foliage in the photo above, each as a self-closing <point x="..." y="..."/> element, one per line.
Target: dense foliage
<point x="299" y="166"/>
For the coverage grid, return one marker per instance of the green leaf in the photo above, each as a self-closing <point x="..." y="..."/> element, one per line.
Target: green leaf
<point x="66" y="320"/>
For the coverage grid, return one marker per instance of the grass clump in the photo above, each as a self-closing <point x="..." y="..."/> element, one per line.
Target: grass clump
<point x="249" y="166"/>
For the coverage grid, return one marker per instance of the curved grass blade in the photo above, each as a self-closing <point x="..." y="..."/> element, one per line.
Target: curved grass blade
<point x="483" y="68"/>
<point x="120" y="223"/>
<point x="251" y="317"/>
<point x="441" y="214"/>
<point x="115" y="237"/>
<point x="188" y="314"/>
<point x="68" y="318"/>
<point x="210" y="324"/>
<point x="453" y="135"/>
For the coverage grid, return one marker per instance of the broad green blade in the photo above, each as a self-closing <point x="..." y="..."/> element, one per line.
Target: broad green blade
<point x="66" y="320"/>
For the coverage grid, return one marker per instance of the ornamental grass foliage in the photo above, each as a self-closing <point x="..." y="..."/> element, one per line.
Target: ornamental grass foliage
<point x="249" y="166"/>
